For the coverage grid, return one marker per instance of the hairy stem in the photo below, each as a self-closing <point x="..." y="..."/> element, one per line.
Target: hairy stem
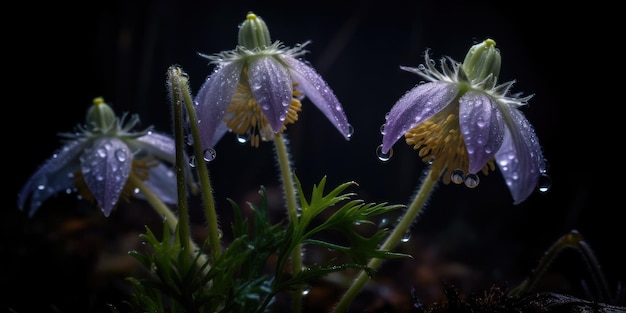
<point x="292" y="208"/>
<point x="399" y="231"/>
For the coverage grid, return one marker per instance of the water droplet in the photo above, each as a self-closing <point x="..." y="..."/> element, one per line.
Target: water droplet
<point x="209" y="154"/>
<point x="120" y="155"/>
<point x="471" y="180"/>
<point x="382" y="129"/>
<point x="242" y="139"/>
<point x="383" y="156"/>
<point x="306" y="290"/>
<point x="457" y="176"/>
<point x="102" y="152"/>
<point x="406" y="237"/>
<point x="350" y="131"/>
<point x="384" y="222"/>
<point x="544" y="184"/>
<point x="192" y="161"/>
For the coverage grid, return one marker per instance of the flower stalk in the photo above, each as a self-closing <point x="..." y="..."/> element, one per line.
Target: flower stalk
<point x="404" y="225"/>
<point x="181" y="94"/>
<point x="286" y="174"/>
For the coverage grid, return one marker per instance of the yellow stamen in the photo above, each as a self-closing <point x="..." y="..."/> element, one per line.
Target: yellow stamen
<point x="248" y="119"/>
<point x="440" y="142"/>
<point x="139" y="169"/>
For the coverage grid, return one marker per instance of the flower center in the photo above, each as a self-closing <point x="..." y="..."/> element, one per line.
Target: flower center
<point x="440" y="143"/>
<point x="140" y="169"/>
<point x="248" y="118"/>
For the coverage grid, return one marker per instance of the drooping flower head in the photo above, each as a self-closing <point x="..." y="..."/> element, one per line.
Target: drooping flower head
<point x="256" y="89"/>
<point x="460" y="120"/>
<point x="98" y="160"/>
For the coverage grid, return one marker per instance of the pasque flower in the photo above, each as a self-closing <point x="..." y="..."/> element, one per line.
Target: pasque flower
<point x="98" y="160"/>
<point x="460" y="120"/>
<point x="256" y="89"/>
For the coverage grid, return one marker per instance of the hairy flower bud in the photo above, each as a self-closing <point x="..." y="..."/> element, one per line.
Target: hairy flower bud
<point x="100" y="116"/>
<point x="253" y="33"/>
<point x="482" y="60"/>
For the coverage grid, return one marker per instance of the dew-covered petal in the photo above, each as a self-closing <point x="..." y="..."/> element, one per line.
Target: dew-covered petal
<point x="270" y="84"/>
<point x="161" y="146"/>
<point x="416" y="106"/>
<point x="162" y="181"/>
<point x="212" y="100"/>
<point x="157" y="144"/>
<point x="520" y="158"/>
<point x="317" y="90"/>
<point x="54" y="175"/>
<point x="106" y="166"/>
<point x="482" y="127"/>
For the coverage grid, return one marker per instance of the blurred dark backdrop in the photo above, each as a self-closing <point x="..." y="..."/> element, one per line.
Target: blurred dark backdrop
<point x="68" y="258"/>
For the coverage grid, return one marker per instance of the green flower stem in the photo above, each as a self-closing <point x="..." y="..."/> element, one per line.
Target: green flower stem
<point x="180" y="164"/>
<point x="292" y="208"/>
<point x="392" y="241"/>
<point x="179" y="80"/>
<point x="163" y="210"/>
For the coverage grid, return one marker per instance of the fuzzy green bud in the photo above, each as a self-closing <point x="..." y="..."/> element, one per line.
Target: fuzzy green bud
<point x="482" y="60"/>
<point x="253" y="33"/>
<point x="100" y="116"/>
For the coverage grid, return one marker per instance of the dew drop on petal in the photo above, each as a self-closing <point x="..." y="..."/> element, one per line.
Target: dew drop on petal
<point x="457" y="176"/>
<point x="383" y="156"/>
<point x="242" y="139"/>
<point x="209" y="154"/>
<point x="382" y="129"/>
<point x="120" y="155"/>
<point x="544" y="184"/>
<point x="192" y="161"/>
<point x="471" y="180"/>
<point x="350" y="131"/>
<point x="102" y="152"/>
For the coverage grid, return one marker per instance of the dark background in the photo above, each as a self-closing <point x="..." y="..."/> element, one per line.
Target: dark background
<point x="69" y="258"/>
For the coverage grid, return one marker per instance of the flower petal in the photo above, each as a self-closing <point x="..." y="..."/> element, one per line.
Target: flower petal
<point x="317" y="90"/>
<point x="106" y="166"/>
<point x="482" y="127"/>
<point x="162" y="147"/>
<point x="212" y="100"/>
<point x="157" y="144"/>
<point x="416" y="106"/>
<point x="162" y="181"/>
<point x="54" y="175"/>
<point x="271" y="86"/>
<point x="520" y="158"/>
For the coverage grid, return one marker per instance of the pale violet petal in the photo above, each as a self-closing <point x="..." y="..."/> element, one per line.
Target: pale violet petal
<point x="162" y="181"/>
<point x="520" y="158"/>
<point x="54" y="175"/>
<point x="212" y="100"/>
<point x="482" y="127"/>
<point x="157" y="144"/>
<point x="161" y="146"/>
<point x="105" y="167"/>
<point x="321" y="95"/>
<point x="270" y="84"/>
<point x="414" y="107"/>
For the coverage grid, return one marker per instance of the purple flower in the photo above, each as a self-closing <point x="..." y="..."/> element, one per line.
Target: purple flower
<point x="460" y="120"/>
<point x="98" y="160"/>
<point x="256" y="89"/>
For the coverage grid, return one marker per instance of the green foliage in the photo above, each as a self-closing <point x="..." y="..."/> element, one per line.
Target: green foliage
<point x="241" y="279"/>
